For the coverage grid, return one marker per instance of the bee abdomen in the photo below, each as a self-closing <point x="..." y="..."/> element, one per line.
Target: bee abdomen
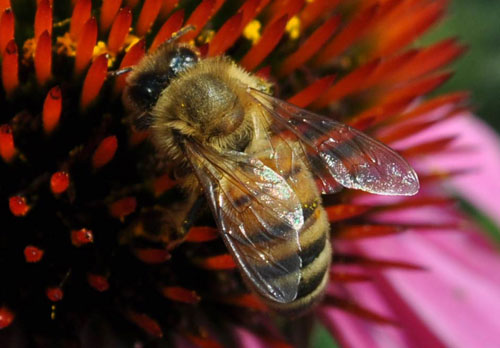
<point x="316" y="255"/>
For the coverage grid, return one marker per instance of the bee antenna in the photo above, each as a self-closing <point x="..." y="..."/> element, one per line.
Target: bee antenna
<point x="119" y="72"/>
<point x="180" y="33"/>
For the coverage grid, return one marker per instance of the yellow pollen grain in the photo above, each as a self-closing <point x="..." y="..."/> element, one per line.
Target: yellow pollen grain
<point x="53" y="312"/>
<point x="252" y="31"/>
<point x="130" y="41"/>
<point x="205" y="37"/>
<point x="65" y="45"/>
<point x="293" y="28"/>
<point x="29" y="48"/>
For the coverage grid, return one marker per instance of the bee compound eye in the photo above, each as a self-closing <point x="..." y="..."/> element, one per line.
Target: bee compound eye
<point x="148" y="87"/>
<point x="183" y="59"/>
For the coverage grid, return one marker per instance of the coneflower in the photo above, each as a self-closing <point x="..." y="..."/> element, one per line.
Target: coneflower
<point x="84" y="257"/>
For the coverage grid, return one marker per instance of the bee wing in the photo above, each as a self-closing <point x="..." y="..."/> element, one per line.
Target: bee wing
<point x="337" y="153"/>
<point x="256" y="212"/>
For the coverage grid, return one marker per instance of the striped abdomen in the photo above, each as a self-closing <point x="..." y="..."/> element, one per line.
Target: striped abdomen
<point x="314" y="241"/>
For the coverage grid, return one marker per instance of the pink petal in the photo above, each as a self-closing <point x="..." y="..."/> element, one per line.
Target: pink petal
<point x="481" y="187"/>
<point x="456" y="302"/>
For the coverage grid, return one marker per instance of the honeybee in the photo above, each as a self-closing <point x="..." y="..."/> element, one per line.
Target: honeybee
<point x="262" y="164"/>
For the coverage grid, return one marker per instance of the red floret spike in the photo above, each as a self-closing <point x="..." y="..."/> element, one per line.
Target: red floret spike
<point x="81" y="14"/>
<point x="271" y="36"/>
<point x="348" y="84"/>
<point x="167" y="7"/>
<point x="203" y="341"/>
<point x="85" y="45"/>
<point x="7" y="147"/>
<point x="123" y="207"/>
<point x="171" y="25"/>
<point x="52" y="108"/>
<point x="59" y="182"/>
<point x="416" y="88"/>
<point x="105" y="152"/>
<point x="426" y="107"/>
<point x="202" y="234"/>
<point x="132" y="57"/>
<point x="82" y="237"/>
<point x="94" y="80"/>
<point x="18" y="206"/>
<point x="33" y="254"/>
<point x="98" y="282"/>
<point x="218" y="262"/>
<point x="146" y="323"/>
<point x="406" y="29"/>
<point x="180" y="294"/>
<point x="226" y="36"/>
<point x="366" y="231"/>
<point x="198" y="19"/>
<point x="345" y="211"/>
<point x="375" y="263"/>
<point x="246" y="301"/>
<point x="54" y="293"/>
<point x="312" y="92"/>
<point x="109" y="9"/>
<point x="310" y="46"/>
<point x="6" y="29"/>
<point x="429" y="59"/>
<point x="120" y="29"/>
<point x="147" y="17"/>
<point x="345" y="277"/>
<point x="10" y="68"/>
<point x="6" y="317"/>
<point x="4" y="4"/>
<point x="43" y="18"/>
<point x="281" y="8"/>
<point x="43" y="58"/>
<point x="429" y="147"/>
<point x="314" y="10"/>
<point x="249" y="10"/>
<point x="152" y="256"/>
<point x="162" y="184"/>
<point x="349" y="34"/>
<point x="360" y="311"/>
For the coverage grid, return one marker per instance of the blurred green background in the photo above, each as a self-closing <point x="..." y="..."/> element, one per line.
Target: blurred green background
<point x="477" y="24"/>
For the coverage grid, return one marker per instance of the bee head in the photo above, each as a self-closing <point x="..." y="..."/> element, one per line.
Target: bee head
<point x="153" y="74"/>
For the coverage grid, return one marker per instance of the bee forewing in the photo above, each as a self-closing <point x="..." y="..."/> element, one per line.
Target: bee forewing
<point x="256" y="211"/>
<point x="338" y="153"/>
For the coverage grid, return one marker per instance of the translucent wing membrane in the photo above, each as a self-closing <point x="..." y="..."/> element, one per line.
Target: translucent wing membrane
<point x="258" y="215"/>
<point x="337" y="153"/>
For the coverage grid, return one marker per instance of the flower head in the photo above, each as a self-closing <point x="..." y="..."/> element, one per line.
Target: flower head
<point x="87" y="198"/>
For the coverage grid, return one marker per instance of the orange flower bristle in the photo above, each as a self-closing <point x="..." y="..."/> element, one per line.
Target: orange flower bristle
<point x="105" y="151"/>
<point x="109" y="9"/>
<point x="119" y="29"/>
<point x="85" y="45"/>
<point x="171" y="25"/>
<point x="7" y="25"/>
<point x="270" y="38"/>
<point x="149" y="12"/>
<point x="43" y="58"/>
<point x="79" y="18"/>
<point x="94" y="80"/>
<point x="43" y="18"/>
<point x="52" y="108"/>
